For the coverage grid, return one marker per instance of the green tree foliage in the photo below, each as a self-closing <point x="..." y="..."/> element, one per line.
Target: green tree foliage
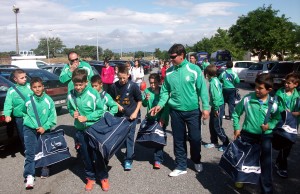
<point x="264" y="33"/>
<point x="56" y="46"/>
<point x="139" y="54"/>
<point x="107" y="54"/>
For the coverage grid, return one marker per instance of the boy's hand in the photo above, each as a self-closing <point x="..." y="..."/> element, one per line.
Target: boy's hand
<point x="265" y="127"/>
<point x="76" y="114"/>
<point x="236" y="134"/>
<point x="216" y="113"/>
<point x="121" y="108"/>
<point x="147" y="96"/>
<point x="133" y="116"/>
<point x="153" y="111"/>
<point x="82" y="119"/>
<point x="40" y="130"/>
<point x="205" y="114"/>
<point x="7" y="119"/>
<point x="161" y="122"/>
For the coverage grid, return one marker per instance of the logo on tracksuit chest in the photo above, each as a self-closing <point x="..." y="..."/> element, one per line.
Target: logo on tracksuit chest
<point x="187" y="78"/>
<point x="44" y="111"/>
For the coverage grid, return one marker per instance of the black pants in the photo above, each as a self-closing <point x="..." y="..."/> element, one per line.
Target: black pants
<point x="229" y="98"/>
<point x="283" y="154"/>
<point x="265" y="141"/>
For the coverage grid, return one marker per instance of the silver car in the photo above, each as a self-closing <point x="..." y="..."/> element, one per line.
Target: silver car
<point x="256" y="69"/>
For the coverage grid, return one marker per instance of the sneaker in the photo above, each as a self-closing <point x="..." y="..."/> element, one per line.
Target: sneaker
<point x="105" y="184"/>
<point x="177" y="172"/>
<point x="222" y="148"/>
<point x="209" y="145"/>
<point x="238" y="185"/>
<point x="89" y="185"/>
<point x="127" y="166"/>
<point x="45" y="172"/>
<point x="224" y="117"/>
<point x="199" y="167"/>
<point x="156" y="165"/>
<point x="280" y="172"/>
<point x="29" y="182"/>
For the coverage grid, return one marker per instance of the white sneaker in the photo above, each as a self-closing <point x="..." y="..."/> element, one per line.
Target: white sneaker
<point x="199" y="167"/>
<point x="177" y="172"/>
<point x="29" y="182"/>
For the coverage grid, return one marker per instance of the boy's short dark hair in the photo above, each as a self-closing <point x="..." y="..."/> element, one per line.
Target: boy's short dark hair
<point x="79" y="75"/>
<point x="229" y="64"/>
<point x="96" y="79"/>
<point x="266" y="79"/>
<point x="154" y="76"/>
<point x="211" y="70"/>
<point x="35" y="80"/>
<point x="178" y="49"/>
<point x="17" y="71"/>
<point x="293" y="77"/>
<point x="123" y="69"/>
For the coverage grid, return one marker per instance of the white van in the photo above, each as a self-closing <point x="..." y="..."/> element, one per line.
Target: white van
<point x="29" y="63"/>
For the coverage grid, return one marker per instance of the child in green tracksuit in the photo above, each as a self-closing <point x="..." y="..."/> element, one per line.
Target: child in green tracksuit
<point x="108" y="103"/>
<point x="85" y="106"/>
<point x="287" y="100"/>
<point x="217" y="109"/>
<point x="255" y="105"/>
<point x="47" y="115"/>
<point x="14" y="102"/>
<point x="150" y="99"/>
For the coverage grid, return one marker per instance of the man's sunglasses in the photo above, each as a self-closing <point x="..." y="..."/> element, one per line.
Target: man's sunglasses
<point x="173" y="56"/>
<point x="73" y="60"/>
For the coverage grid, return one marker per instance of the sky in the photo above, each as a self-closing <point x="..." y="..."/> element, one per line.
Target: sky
<point x="125" y="25"/>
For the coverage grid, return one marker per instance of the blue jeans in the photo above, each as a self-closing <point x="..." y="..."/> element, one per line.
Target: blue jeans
<point x="229" y="98"/>
<point x="179" y="121"/>
<point x="88" y="156"/>
<point x="130" y="142"/>
<point x="215" y="127"/>
<point x="30" y="142"/>
<point x="19" y="124"/>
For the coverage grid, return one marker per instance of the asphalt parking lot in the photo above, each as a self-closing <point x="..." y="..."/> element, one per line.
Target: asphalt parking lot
<point x="68" y="176"/>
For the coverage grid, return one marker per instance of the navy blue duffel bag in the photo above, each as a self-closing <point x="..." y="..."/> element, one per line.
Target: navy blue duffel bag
<point x="151" y="134"/>
<point x="51" y="148"/>
<point x="241" y="161"/>
<point x="108" y="134"/>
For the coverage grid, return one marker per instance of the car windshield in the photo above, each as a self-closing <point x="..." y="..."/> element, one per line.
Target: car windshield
<point x="257" y="66"/>
<point x="43" y="74"/>
<point x="4" y="84"/>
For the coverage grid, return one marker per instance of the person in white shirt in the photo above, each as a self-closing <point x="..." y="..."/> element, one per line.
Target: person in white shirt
<point x="137" y="73"/>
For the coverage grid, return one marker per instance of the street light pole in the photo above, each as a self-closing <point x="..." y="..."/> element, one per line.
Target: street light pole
<point x="16" y="10"/>
<point x="48" y="45"/>
<point x="97" y="38"/>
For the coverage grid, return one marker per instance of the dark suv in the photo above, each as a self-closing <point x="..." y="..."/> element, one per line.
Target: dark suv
<point x="280" y="70"/>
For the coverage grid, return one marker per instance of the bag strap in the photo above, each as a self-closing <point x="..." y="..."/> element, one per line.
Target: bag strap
<point x="35" y="111"/>
<point x="270" y="104"/>
<point x="229" y="75"/>
<point x="126" y="93"/>
<point x="297" y="108"/>
<point x="18" y="91"/>
<point x="102" y="94"/>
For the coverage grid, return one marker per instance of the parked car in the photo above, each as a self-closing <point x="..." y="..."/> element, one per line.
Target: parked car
<point x="57" y="68"/>
<point x="8" y="131"/>
<point x="8" y="66"/>
<point x="240" y="67"/>
<point x="146" y="65"/>
<point x="280" y="70"/>
<point x="98" y="65"/>
<point x="256" y="69"/>
<point x="53" y="87"/>
<point x="221" y="66"/>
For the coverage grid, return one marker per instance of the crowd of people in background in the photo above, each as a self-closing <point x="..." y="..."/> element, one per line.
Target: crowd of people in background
<point x="177" y="91"/>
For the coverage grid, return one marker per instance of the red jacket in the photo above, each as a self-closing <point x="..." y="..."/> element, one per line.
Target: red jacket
<point x="107" y="75"/>
<point x="163" y="74"/>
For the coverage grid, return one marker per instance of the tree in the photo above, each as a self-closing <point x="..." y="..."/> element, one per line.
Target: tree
<point x="87" y="51"/>
<point x="107" y="54"/>
<point x="139" y="54"/>
<point x="264" y="33"/>
<point x="55" y="46"/>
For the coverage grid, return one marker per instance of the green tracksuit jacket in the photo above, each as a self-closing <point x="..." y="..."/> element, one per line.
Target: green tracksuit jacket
<point x="154" y="98"/>
<point x="108" y="103"/>
<point x="215" y="93"/>
<point x="225" y="80"/>
<point x="45" y="109"/>
<point x="255" y="114"/>
<point x="183" y="85"/>
<point x="66" y="74"/>
<point x="13" y="102"/>
<point x="88" y="103"/>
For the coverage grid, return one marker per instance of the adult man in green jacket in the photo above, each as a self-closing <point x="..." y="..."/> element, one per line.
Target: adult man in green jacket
<point x="184" y="84"/>
<point x="74" y="62"/>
